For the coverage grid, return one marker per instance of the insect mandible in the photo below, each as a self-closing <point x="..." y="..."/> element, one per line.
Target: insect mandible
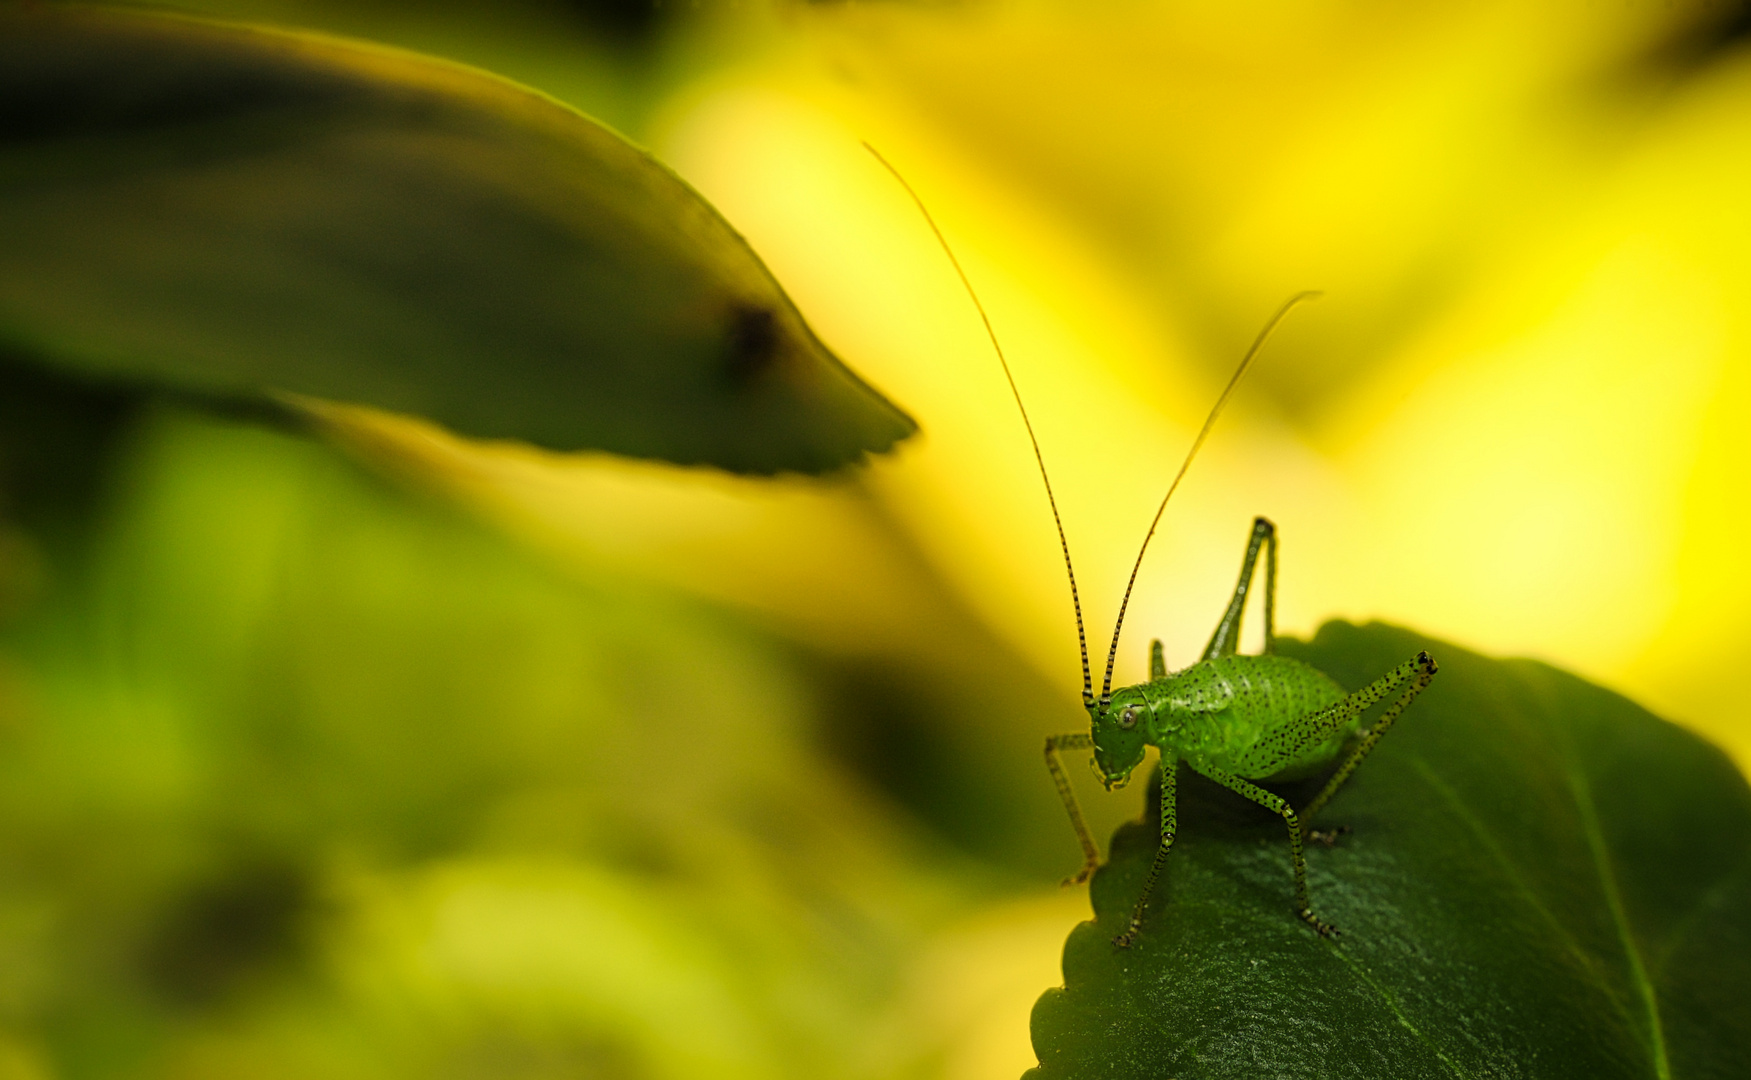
<point x="1236" y="719"/>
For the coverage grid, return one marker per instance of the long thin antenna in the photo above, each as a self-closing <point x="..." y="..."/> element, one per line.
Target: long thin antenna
<point x="1075" y="598"/>
<point x="1106" y="687"/>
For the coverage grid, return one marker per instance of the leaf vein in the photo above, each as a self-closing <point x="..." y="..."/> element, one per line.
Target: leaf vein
<point x="1398" y="1013"/>
<point x="1710" y="899"/>
<point x="1614" y="901"/>
<point x="1589" y="962"/>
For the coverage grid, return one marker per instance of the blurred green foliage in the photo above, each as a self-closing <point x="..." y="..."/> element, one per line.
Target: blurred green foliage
<point x="305" y="774"/>
<point x="241" y="213"/>
<point x="300" y="775"/>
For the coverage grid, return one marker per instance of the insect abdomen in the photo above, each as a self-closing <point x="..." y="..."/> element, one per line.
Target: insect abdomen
<point x="1276" y="689"/>
<point x="1265" y="696"/>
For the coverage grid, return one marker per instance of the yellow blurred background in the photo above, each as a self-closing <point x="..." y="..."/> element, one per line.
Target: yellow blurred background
<point x="1516" y="421"/>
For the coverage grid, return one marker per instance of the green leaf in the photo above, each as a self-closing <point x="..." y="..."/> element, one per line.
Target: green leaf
<point x="231" y="211"/>
<point x="1543" y="881"/>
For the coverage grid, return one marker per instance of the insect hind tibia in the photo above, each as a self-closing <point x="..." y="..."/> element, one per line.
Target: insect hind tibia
<point x="1027" y="422"/>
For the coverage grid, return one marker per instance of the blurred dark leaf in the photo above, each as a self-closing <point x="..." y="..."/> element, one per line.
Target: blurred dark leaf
<point x="57" y="439"/>
<point x="232" y="211"/>
<point x="633" y="21"/>
<point x="1714" y="34"/>
<point x="1543" y="880"/>
<point x="223" y="932"/>
<point x="60" y="438"/>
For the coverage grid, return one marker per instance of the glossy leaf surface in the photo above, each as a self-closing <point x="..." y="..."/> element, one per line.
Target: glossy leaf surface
<point x="1543" y="880"/>
<point x="230" y="211"/>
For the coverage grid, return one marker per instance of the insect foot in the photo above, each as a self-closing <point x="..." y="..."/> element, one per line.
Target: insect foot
<point x="1328" y="837"/>
<point x="1326" y="930"/>
<point x="1124" y="940"/>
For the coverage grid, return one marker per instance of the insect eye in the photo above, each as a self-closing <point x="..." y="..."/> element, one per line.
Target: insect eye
<point x="1128" y="718"/>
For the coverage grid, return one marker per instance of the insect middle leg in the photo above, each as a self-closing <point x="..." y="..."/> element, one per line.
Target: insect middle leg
<point x="1169" y="826"/>
<point x="1090" y="854"/>
<point x="1280" y="806"/>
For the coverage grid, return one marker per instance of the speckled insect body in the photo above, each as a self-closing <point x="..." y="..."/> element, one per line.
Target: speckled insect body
<point x="1191" y="715"/>
<point x="1234" y="719"/>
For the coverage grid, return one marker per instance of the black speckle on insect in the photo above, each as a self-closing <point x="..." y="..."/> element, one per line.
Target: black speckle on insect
<point x="753" y="343"/>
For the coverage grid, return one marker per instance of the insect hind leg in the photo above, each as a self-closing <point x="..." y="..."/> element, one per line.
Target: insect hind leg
<point x="1421" y="671"/>
<point x="1285" y="746"/>
<point x="1226" y="640"/>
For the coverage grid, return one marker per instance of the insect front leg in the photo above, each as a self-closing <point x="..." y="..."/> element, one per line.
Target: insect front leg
<point x="1226" y="640"/>
<point x="1090" y="854"/>
<point x="1169" y="825"/>
<point x="1280" y="806"/>
<point x="1157" y="660"/>
<point x="1418" y="673"/>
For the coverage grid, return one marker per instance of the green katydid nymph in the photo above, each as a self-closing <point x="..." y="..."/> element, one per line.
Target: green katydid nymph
<point x="1236" y="719"/>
